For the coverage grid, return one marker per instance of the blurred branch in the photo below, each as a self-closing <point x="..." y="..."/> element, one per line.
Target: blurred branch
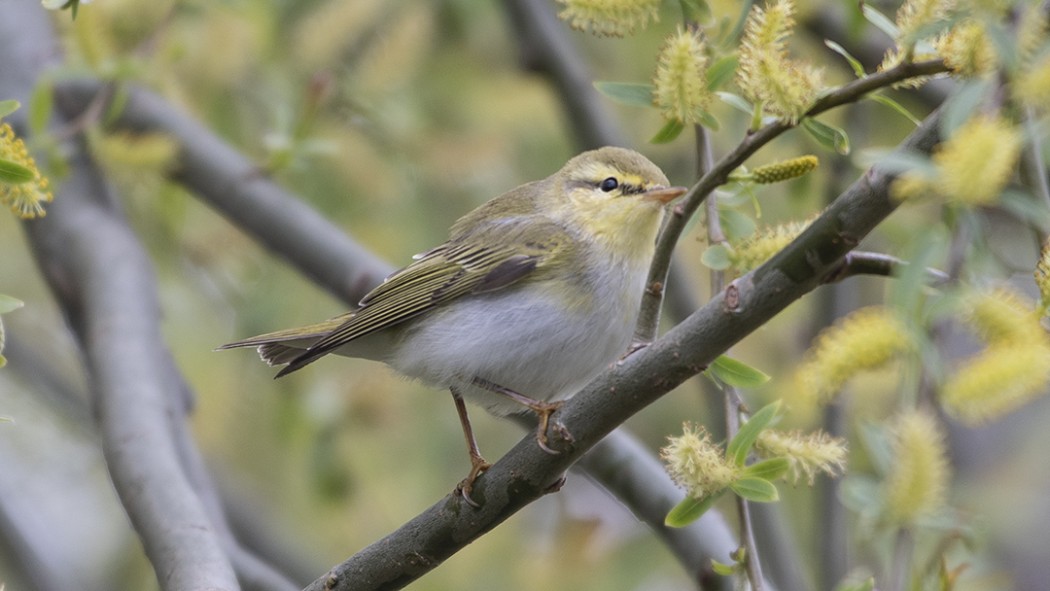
<point x="235" y="187"/>
<point x="104" y="282"/>
<point x="526" y="472"/>
<point x="545" y="47"/>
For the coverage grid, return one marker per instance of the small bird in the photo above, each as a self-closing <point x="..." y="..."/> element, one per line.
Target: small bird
<point x="533" y="294"/>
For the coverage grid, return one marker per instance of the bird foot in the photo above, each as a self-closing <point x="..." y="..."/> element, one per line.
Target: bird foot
<point x="478" y="465"/>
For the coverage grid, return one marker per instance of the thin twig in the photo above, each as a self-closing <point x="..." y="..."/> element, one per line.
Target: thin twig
<point x="860" y="262"/>
<point x="719" y="173"/>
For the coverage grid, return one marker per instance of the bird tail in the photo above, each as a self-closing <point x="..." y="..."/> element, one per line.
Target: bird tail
<point x="285" y="346"/>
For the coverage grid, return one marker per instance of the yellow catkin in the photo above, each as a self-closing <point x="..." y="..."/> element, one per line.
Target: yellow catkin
<point x="1032" y="86"/>
<point x="1042" y="278"/>
<point x="26" y="199"/>
<point x="1002" y="315"/>
<point x="604" y="18"/>
<point x="766" y="75"/>
<point x="806" y="453"/>
<point x="967" y="50"/>
<point x="784" y="170"/>
<point x="997" y="381"/>
<point x="917" y="485"/>
<point x="759" y="248"/>
<point x="680" y="85"/>
<point x="975" y="164"/>
<point x="865" y="340"/>
<point x="697" y="464"/>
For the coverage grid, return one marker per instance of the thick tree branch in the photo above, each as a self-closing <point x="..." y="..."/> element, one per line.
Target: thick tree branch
<point x="527" y="472"/>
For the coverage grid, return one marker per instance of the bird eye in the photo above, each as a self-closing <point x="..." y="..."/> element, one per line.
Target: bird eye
<point x="609" y="184"/>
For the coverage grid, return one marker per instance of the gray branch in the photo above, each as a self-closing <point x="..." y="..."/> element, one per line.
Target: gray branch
<point x="239" y="190"/>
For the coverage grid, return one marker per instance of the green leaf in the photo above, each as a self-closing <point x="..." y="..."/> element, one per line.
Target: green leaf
<point x="7" y="107"/>
<point x="885" y="100"/>
<point x="14" y="173"/>
<point x="668" y="132"/>
<point x="689" y="510"/>
<point x="736" y="101"/>
<point x="962" y="104"/>
<point x="736" y="373"/>
<point x="723" y="569"/>
<point x="858" y="68"/>
<point x="9" y="304"/>
<point x="736" y="225"/>
<point x="721" y="71"/>
<point x="745" y="438"/>
<point x="852" y="585"/>
<point x="881" y="21"/>
<point x="755" y="489"/>
<point x="696" y="10"/>
<point x="634" y="94"/>
<point x="770" y="469"/>
<point x="716" y="257"/>
<point x="829" y="136"/>
<point x="41" y="104"/>
<point x="709" y="121"/>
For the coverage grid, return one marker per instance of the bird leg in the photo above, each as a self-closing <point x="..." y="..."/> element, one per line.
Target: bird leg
<point x="543" y="411"/>
<point x="477" y="463"/>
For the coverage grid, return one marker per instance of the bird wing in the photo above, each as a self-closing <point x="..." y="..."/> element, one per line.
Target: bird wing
<point x="488" y="259"/>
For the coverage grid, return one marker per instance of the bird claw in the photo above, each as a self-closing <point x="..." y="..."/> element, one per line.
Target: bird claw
<point x="543" y="411"/>
<point x="478" y="465"/>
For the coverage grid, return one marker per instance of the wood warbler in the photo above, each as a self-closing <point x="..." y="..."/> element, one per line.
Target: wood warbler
<point x="533" y="294"/>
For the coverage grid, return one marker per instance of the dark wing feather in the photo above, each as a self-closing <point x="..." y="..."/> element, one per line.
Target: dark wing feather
<point x="463" y="266"/>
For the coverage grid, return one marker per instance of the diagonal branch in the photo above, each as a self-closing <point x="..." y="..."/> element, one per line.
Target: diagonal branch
<point x="237" y="188"/>
<point x="526" y="473"/>
<point x="718" y="174"/>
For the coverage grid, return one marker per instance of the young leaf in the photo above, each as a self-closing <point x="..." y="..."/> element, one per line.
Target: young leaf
<point x="633" y="94"/>
<point x="770" y="469"/>
<point x="885" y="100"/>
<point x="9" y="304"/>
<point x="7" y="107"/>
<point x="696" y="10"/>
<point x="716" y="257"/>
<point x="881" y="21"/>
<point x="755" y="489"/>
<point x="668" y="132"/>
<point x="41" y="105"/>
<point x="721" y="71"/>
<point x="745" y="438"/>
<point x="962" y="104"/>
<point x="852" y="585"/>
<point x="858" y="68"/>
<point x="735" y="224"/>
<point x="736" y="373"/>
<point x="723" y="569"/>
<point x="14" y="173"/>
<point x="736" y="101"/>
<point x="709" y="121"/>
<point x="829" y="136"/>
<point x="689" y="510"/>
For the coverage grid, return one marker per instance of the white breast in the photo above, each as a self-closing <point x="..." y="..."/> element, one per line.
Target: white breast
<point x="525" y="339"/>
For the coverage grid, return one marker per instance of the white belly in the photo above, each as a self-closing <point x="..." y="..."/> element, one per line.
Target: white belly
<point x="536" y="346"/>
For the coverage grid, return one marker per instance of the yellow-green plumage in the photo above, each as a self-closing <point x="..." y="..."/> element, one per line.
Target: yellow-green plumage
<point x="536" y="290"/>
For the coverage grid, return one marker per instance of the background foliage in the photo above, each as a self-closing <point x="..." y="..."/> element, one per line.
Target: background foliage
<point x="393" y="118"/>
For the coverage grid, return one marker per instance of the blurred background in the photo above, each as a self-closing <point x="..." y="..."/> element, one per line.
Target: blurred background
<point x="393" y="118"/>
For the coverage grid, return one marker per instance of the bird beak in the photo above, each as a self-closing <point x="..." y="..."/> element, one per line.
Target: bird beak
<point x="664" y="194"/>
